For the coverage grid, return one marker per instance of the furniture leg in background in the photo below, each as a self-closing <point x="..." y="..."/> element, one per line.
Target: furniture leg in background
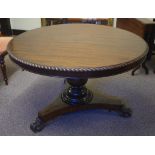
<point x="5" y="29"/>
<point x="3" y="68"/>
<point x="143" y="66"/>
<point x="3" y="52"/>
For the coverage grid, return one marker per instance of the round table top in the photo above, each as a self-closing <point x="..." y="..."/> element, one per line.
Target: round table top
<point x="77" y="50"/>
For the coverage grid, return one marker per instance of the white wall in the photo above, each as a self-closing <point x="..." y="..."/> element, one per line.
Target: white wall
<point x="25" y="23"/>
<point x="115" y="21"/>
<point x="150" y="19"/>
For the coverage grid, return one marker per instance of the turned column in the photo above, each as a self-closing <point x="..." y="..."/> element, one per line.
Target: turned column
<point x="77" y="93"/>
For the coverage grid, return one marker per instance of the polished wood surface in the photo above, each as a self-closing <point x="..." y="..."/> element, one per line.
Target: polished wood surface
<point x="100" y="101"/>
<point x="139" y="26"/>
<point x="143" y="27"/>
<point x="78" y="46"/>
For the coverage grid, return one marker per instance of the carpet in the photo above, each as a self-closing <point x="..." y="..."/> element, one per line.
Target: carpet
<point x="27" y="93"/>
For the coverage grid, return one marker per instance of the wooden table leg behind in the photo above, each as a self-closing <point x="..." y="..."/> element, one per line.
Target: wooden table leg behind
<point x="143" y="66"/>
<point x="3" y="69"/>
<point x="75" y="98"/>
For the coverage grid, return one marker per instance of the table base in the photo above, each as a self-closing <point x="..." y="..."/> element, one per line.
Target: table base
<point x="77" y="97"/>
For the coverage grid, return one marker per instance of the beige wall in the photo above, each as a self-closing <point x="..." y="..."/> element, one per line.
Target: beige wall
<point x="25" y="23"/>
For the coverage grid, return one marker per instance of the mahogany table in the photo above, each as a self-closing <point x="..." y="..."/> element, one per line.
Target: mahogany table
<point x="78" y="52"/>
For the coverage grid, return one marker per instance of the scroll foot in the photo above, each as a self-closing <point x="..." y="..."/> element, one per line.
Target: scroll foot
<point x="126" y="112"/>
<point x="37" y="126"/>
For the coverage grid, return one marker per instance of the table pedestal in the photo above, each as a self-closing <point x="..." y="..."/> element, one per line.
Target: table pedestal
<point x="75" y="98"/>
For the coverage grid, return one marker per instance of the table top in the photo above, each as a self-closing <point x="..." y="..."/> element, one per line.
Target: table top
<point x="77" y="50"/>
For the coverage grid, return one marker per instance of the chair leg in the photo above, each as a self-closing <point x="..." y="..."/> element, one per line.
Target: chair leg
<point x="145" y="68"/>
<point x="3" y="68"/>
<point x="133" y="72"/>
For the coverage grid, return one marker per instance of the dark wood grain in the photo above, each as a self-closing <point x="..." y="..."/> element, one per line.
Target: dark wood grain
<point x="139" y="26"/>
<point x="143" y="27"/>
<point x="77" y="48"/>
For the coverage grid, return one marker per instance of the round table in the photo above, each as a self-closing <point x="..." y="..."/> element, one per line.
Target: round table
<point x="78" y="52"/>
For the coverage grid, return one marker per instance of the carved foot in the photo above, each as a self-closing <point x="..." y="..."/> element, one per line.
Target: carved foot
<point x="126" y="112"/>
<point x="37" y="126"/>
